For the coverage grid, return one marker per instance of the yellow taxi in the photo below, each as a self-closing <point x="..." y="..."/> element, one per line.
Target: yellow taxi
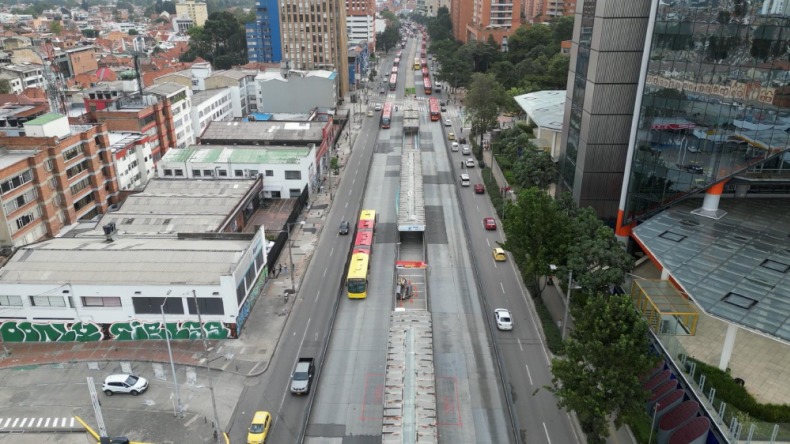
<point x="450" y="136"/>
<point x="259" y="428"/>
<point x="499" y="255"/>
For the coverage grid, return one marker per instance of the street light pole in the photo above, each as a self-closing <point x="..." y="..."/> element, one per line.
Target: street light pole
<point x="567" y="305"/>
<point x="290" y="256"/>
<point x="177" y="407"/>
<point x="208" y="370"/>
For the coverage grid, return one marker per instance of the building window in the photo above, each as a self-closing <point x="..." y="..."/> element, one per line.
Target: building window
<point x="195" y="173"/>
<point x="47" y="301"/>
<point x="151" y="305"/>
<point x="269" y="173"/>
<point x="168" y="173"/>
<point x="238" y="173"/>
<point x="295" y="192"/>
<point x="72" y="152"/>
<point x="27" y="219"/>
<point x="222" y="173"/>
<point x="253" y="173"/>
<point x="18" y="202"/>
<point x="208" y="173"/>
<point x="207" y="306"/>
<point x="101" y="301"/>
<point x="10" y="301"/>
<point x="179" y="173"/>
<point x="293" y="175"/>
<point x="16" y="182"/>
<point x="77" y="169"/>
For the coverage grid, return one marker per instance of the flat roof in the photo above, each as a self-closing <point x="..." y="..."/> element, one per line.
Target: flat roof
<point x="46" y="118"/>
<point x="264" y="131"/>
<point x="9" y="110"/>
<point x="545" y="108"/>
<point x="8" y="158"/>
<point x="238" y="154"/>
<point x="164" y="88"/>
<point x="411" y="204"/>
<point x="169" y="206"/>
<point x="201" y="96"/>
<point x="134" y="259"/>
<point x="736" y="268"/>
<point x="120" y="140"/>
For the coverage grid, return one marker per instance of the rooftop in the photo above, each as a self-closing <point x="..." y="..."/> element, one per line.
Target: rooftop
<point x="9" y="158"/>
<point x="44" y="119"/>
<point x="250" y="154"/>
<point x="203" y="96"/>
<point x="120" y="140"/>
<point x="164" y="89"/>
<point x="276" y="131"/>
<point x="232" y="73"/>
<point x="735" y="268"/>
<point x="545" y="108"/>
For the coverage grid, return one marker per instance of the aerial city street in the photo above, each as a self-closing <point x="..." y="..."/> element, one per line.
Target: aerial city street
<point x="278" y="221"/>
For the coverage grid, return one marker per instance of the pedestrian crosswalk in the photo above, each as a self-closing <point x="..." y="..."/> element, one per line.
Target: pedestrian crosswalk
<point x="52" y="423"/>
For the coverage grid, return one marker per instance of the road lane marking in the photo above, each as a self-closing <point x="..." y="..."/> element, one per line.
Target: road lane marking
<point x="502" y="286"/>
<point x="331" y="251"/>
<point x="532" y="317"/>
<point x="545" y="429"/>
<point x="282" y="401"/>
<point x="573" y="429"/>
<point x="347" y="201"/>
<point x="529" y="375"/>
<point x="519" y="343"/>
<point x="325" y="269"/>
<point x="487" y="242"/>
<point x="317" y="295"/>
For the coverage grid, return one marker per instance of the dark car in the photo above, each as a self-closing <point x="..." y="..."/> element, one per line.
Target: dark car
<point x="381" y="91"/>
<point x="479" y="189"/>
<point x="444" y="109"/>
<point x="344" y="226"/>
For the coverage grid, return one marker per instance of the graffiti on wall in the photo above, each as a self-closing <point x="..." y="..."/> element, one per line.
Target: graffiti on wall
<point x="135" y="330"/>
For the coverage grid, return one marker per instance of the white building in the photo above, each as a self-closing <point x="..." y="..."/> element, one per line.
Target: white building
<point x="242" y="88"/>
<point x="214" y="105"/>
<point x="181" y="107"/>
<point x="360" y="28"/>
<point x="132" y="158"/>
<point x="25" y="75"/>
<point x="296" y="91"/>
<point x="286" y="170"/>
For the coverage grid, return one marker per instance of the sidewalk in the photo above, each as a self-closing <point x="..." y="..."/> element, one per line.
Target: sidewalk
<point x="248" y="355"/>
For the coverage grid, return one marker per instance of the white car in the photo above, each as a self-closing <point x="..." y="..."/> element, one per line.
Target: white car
<point x="131" y="384"/>
<point x="503" y="319"/>
<point x="470" y="163"/>
<point x="378" y="107"/>
<point x="455" y="146"/>
<point x="448" y="122"/>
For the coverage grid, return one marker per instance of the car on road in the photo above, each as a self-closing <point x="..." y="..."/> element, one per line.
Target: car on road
<point x="479" y="189"/>
<point x="466" y="151"/>
<point x="499" y="255"/>
<point x="377" y="107"/>
<point x="470" y="163"/>
<point x="489" y="223"/>
<point x="370" y="113"/>
<point x="259" y="428"/>
<point x="302" y="377"/>
<point x="503" y="319"/>
<point x="444" y="109"/>
<point x="381" y="91"/>
<point x="448" y="122"/>
<point x="455" y="146"/>
<point x="451" y="136"/>
<point x="124" y="383"/>
<point x="344" y="227"/>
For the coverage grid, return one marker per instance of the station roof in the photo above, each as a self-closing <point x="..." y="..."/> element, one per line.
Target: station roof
<point x="545" y="108"/>
<point x="736" y="268"/>
<point x="411" y="208"/>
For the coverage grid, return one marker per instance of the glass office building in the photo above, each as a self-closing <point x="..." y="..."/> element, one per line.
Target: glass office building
<point x="714" y="104"/>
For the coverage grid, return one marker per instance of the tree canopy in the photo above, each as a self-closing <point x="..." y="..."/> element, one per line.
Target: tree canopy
<point x="221" y="41"/>
<point x="483" y="102"/>
<point x="391" y="36"/>
<point x="598" y="377"/>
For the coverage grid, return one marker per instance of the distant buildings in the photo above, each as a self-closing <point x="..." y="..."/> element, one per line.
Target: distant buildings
<point x="360" y="17"/>
<point x="263" y="35"/>
<point x="296" y="91"/>
<point x="195" y="10"/>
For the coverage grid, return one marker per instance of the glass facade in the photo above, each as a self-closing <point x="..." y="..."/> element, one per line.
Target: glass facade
<point x="263" y="35"/>
<point x="715" y="102"/>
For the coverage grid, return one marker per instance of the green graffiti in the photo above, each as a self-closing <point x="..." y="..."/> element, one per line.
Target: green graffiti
<point x="137" y="330"/>
<point x="24" y="331"/>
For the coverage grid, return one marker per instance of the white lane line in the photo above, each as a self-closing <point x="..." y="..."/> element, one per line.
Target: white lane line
<point x="530" y="378"/>
<point x="317" y="295"/>
<point x="325" y="271"/>
<point x="547" y="432"/>
<point x="532" y="317"/>
<point x="519" y="343"/>
<point x="347" y="202"/>
<point x="573" y="429"/>
<point x="487" y="242"/>
<point x="331" y="251"/>
<point x="502" y="286"/>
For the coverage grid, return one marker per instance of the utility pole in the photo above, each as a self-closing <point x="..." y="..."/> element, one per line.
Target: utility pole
<point x="217" y="431"/>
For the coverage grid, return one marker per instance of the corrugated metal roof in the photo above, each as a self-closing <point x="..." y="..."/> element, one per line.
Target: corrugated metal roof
<point x="411" y="208"/>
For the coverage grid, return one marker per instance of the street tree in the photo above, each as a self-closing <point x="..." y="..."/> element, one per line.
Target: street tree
<point x="598" y="377"/>
<point x="455" y="72"/>
<point x="55" y="27"/>
<point x="534" y="228"/>
<point x="595" y="256"/>
<point x="440" y="27"/>
<point x="221" y="41"/>
<point x="483" y="100"/>
<point x="534" y="168"/>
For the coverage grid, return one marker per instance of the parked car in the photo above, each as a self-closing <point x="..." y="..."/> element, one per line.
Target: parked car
<point x="479" y="189"/>
<point x="503" y="319"/>
<point x="344" y="227"/>
<point x="489" y="223"/>
<point x="124" y="383"/>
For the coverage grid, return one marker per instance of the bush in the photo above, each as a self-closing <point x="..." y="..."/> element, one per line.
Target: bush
<point x="640" y="426"/>
<point x="550" y="329"/>
<point x="493" y="190"/>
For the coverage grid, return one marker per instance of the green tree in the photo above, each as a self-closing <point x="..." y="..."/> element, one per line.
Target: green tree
<point x="481" y="54"/>
<point x="90" y="33"/>
<point x="558" y="70"/>
<point x="599" y="376"/>
<point x="5" y="86"/>
<point x="440" y="27"/>
<point x="55" y="27"/>
<point x="562" y="28"/>
<point x="133" y="32"/>
<point x="222" y="41"/>
<point x="455" y="72"/>
<point x="482" y="102"/>
<point x="535" y="228"/>
<point x="534" y="168"/>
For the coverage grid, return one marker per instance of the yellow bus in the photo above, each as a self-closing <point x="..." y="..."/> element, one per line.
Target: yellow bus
<point x="357" y="281"/>
<point x="417" y="64"/>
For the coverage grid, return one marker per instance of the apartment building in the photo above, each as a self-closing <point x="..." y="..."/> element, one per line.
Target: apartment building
<point x="180" y="99"/>
<point x="132" y="159"/>
<point x="213" y="105"/>
<point x="23" y="76"/>
<point x="314" y="37"/>
<point x="53" y="177"/>
<point x="195" y="10"/>
<point x="77" y="60"/>
<point x="460" y="16"/>
<point x="541" y="11"/>
<point x="491" y="18"/>
<point x="360" y="18"/>
<point x="263" y="35"/>
<point x="241" y="85"/>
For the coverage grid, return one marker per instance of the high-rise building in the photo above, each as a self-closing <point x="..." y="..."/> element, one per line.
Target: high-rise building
<point x="540" y="11"/>
<point x="195" y="10"/>
<point x="360" y="17"/>
<point x="460" y="16"/>
<point x="263" y="35"/>
<point x="494" y="19"/>
<point x="314" y="37"/>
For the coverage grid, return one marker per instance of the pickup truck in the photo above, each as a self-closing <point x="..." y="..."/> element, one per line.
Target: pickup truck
<point x="302" y="377"/>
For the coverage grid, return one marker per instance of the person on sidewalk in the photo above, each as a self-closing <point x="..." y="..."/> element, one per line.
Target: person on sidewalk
<point x="279" y="269"/>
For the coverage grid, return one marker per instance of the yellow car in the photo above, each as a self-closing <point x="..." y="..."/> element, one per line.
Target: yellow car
<point x="499" y="255"/>
<point x="259" y="428"/>
<point x="450" y="136"/>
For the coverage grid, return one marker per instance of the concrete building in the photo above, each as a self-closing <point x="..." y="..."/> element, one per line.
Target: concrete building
<point x="76" y="60"/>
<point x="460" y="16"/>
<point x="214" y="105"/>
<point x="360" y="17"/>
<point x="132" y="159"/>
<point x="296" y="91"/>
<point x="55" y="176"/>
<point x="195" y="10"/>
<point x="276" y="133"/>
<point x="242" y="89"/>
<point x="491" y="18"/>
<point x="314" y="38"/>
<point x="180" y="99"/>
<point x="263" y="35"/>
<point x="358" y="64"/>
<point x="286" y="170"/>
<point x="182" y="24"/>
<point x="21" y="77"/>
<point x="14" y="116"/>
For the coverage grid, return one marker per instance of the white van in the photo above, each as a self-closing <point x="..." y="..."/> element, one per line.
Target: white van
<point x="465" y="181"/>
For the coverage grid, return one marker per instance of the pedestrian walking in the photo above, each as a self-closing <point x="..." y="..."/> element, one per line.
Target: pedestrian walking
<point x="279" y="269"/>
<point x="286" y="268"/>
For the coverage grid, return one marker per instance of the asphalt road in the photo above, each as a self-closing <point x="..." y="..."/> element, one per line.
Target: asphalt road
<point x="526" y="361"/>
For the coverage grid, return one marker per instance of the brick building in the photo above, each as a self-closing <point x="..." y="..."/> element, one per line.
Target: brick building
<point x="53" y="177"/>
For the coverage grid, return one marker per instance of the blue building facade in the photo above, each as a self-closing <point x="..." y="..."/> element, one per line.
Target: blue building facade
<point x="358" y="59"/>
<point x="263" y="35"/>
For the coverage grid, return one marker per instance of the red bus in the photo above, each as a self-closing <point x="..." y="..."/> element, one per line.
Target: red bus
<point x="399" y="53"/>
<point x="394" y="70"/>
<point x="427" y="84"/>
<point x="425" y="71"/>
<point x="396" y="62"/>
<point x="364" y="241"/>
<point x="433" y="104"/>
<point x="422" y="54"/>
<point x="393" y="82"/>
<point x="424" y="62"/>
<point x="386" y="115"/>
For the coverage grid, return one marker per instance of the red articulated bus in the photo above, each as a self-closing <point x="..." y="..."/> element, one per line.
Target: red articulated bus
<point x="396" y="62"/>
<point x="427" y="84"/>
<point x="386" y="115"/>
<point x="393" y="82"/>
<point x="433" y="104"/>
<point x="394" y="70"/>
<point x="425" y="71"/>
